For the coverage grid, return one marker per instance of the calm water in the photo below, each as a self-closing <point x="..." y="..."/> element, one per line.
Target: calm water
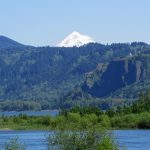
<point x="33" y="140"/>
<point x="36" y="140"/>
<point x="30" y="113"/>
<point x="133" y="139"/>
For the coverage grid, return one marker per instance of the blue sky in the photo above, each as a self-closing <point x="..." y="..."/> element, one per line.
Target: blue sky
<point x="47" y="22"/>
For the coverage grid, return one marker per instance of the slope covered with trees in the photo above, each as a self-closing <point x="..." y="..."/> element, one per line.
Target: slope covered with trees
<point x="6" y="43"/>
<point x="122" y="78"/>
<point x="44" y="75"/>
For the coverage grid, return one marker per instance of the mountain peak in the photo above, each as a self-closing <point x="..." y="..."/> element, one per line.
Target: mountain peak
<point x="75" y="39"/>
<point x="75" y="33"/>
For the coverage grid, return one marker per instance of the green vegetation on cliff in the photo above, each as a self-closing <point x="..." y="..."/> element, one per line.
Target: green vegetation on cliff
<point x="121" y="79"/>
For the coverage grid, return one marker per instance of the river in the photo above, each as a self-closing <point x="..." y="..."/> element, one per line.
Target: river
<point x="30" y="113"/>
<point x="36" y="140"/>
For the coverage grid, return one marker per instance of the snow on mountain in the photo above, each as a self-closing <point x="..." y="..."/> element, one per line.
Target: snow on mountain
<point x="75" y="39"/>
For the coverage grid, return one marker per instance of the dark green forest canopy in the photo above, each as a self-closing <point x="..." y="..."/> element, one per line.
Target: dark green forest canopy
<point x="44" y="75"/>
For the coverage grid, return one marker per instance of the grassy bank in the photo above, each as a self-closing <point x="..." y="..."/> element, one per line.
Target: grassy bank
<point x="136" y="115"/>
<point x="76" y="121"/>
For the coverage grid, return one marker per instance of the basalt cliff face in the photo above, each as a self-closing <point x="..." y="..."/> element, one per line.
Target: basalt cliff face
<point x="107" y="78"/>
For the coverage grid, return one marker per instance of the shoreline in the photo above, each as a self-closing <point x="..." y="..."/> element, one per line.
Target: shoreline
<point x="50" y="129"/>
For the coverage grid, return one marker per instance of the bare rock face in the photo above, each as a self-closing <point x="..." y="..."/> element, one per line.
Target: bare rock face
<point x="107" y="78"/>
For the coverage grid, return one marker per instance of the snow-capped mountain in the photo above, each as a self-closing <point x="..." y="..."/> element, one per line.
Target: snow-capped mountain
<point x="75" y="39"/>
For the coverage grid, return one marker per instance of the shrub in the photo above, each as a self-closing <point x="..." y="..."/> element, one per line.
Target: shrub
<point x="107" y="143"/>
<point x="5" y="119"/>
<point x="16" y="120"/>
<point x="74" y="117"/>
<point x="105" y="121"/>
<point x="59" y="121"/>
<point x="91" y="139"/>
<point x="14" y="144"/>
<point x="45" y="120"/>
<point x="88" y="121"/>
<point x="23" y="116"/>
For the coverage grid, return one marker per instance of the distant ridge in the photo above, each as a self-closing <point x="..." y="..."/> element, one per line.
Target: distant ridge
<point x="6" y="42"/>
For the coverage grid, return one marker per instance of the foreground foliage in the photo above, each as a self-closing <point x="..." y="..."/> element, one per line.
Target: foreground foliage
<point x="91" y="139"/>
<point x="14" y="144"/>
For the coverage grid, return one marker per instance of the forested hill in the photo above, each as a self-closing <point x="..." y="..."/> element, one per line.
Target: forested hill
<point x="122" y="78"/>
<point x="108" y="78"/>
<point x="38" y="76"/>
<point x="6" y="42"/>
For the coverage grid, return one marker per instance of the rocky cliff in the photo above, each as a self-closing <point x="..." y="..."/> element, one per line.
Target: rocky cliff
<point x="107" y="78"/>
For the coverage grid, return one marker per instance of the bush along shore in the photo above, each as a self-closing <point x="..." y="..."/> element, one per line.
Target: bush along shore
<point x="136" y="115"/>
<point x="91" y="139"/>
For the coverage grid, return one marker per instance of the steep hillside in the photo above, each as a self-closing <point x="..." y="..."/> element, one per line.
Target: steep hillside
<point x="45" y="74"/>
<point x="120" y="79"/>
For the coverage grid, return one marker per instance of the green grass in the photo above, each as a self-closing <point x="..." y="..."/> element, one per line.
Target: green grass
<point x="134" y="121"/>
<point x="75" y="121"/>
